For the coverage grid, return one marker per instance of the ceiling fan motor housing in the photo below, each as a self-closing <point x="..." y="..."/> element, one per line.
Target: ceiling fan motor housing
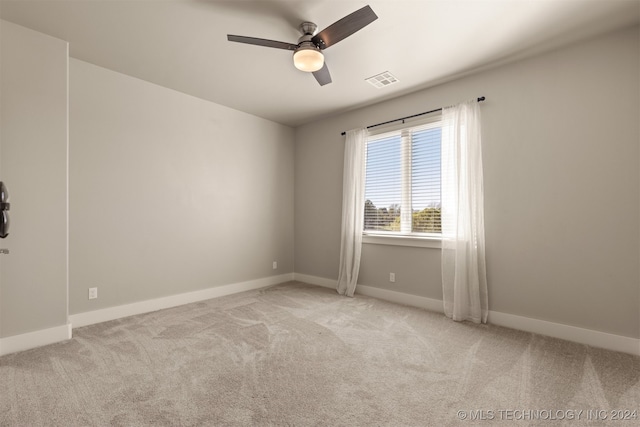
<point x="308" y="28"/>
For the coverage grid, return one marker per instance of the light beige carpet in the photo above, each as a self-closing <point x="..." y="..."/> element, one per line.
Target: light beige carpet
<point x="299" y="355"/>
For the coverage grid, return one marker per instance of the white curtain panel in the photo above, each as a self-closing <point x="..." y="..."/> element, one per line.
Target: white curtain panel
<point x="464" y="278"/>
<point x="352" y="211"/>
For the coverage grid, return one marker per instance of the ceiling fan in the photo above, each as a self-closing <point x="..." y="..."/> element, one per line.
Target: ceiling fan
<point x="307" y="54"/>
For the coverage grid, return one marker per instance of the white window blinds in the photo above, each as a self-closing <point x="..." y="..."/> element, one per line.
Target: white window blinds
<point x="402" y="187"/>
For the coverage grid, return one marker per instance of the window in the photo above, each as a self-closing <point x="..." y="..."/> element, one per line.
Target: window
<point x="402" y="187"/>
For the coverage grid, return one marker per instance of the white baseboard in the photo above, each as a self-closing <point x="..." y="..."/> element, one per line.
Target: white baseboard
<point x="385" y="294"/>
<point x="117" y="312"/>
<point x="315" y="280"/>
<point x="527" y="324"/>
<point x="30" y="340"/>
<point x="567" y="332"/>
<point x="401" y="298"/>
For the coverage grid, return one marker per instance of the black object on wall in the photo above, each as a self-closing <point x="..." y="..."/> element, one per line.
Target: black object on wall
<point x="4" y="208"/>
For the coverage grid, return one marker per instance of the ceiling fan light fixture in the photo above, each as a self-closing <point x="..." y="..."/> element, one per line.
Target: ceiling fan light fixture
<point x="308" y="59"/>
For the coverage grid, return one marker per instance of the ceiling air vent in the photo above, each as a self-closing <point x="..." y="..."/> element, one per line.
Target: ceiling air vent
<point x="382" y="79"/>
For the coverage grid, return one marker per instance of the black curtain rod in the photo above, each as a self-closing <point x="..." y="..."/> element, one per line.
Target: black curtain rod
<point x="409" y="117"/>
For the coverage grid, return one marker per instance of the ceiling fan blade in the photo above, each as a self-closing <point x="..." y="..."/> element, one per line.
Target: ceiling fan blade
<point x="343" y="28"/>
<point x="322" y="75"/>
<point x="262" y="42"/>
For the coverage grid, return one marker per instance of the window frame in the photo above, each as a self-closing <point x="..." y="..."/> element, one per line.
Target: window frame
<point x="404" y="238"/>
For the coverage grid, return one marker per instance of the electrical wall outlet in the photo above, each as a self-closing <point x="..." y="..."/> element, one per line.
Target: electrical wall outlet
<point x="93" y="293"/>
<point x="275" y="265"/>
<point x="392" y="277"/>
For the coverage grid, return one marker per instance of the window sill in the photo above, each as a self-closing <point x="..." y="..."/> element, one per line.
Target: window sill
<point x="396" y="240"/>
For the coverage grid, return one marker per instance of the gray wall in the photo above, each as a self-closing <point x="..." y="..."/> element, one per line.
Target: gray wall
<point x="170" y="193"/>
<point x="562" y="187"/>
<point x="33" y="164"/>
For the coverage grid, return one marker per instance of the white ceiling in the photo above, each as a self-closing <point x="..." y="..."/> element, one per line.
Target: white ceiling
<point x="182" y="44"/>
